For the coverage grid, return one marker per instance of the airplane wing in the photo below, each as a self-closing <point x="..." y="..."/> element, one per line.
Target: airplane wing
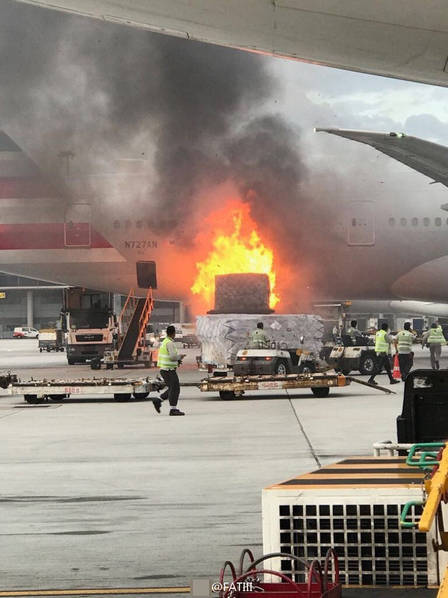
<point x="431" y="159"/>
<point x="407" y="39"/>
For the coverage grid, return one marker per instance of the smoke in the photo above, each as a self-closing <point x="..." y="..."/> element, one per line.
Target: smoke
<point x="195" y="114"/>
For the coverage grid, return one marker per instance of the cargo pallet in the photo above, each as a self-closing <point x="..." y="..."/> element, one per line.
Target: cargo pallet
<point x="230" y="387"/>
<point x="123" y="389"/>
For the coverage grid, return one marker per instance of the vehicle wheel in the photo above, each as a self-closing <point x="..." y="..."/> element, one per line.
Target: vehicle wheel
<point x="367" y="365"/>
<point x="95" y="364"/>
<point x="33" y="399"/>
<point x="70" y="362"/>
<point x="40" y="349"/>
<point x="141" y="395"/>
<point x="48" y="349"/>
<point x="122" y="397"/>
<point x="321" y="392"/>
<point x="307" y="368"/>
<point x="345" y="371"/>
<point x="61" y="349"/>
<point x="281" y="368"/>
<point x="226" y="395"/>
<point x="109" y="366"/>
<point x="56" y="398"/>
<point x="120" y="366"/>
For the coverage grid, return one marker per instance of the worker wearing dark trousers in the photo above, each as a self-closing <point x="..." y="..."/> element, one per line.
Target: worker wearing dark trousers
<point x="382" y="347"/>
<point x="403" y="345"/>
<point x="435" y="339"/>
<point x="168" y="362"/>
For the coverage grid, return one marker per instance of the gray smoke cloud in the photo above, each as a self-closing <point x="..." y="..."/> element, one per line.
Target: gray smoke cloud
<point x="196" y="114"/>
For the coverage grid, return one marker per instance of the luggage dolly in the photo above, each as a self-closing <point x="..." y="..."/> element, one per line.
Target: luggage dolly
<point x="317" y="581"/>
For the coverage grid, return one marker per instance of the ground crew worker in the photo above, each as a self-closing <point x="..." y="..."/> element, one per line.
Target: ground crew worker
<point x="382" y="349"/>
<point x="258" y="338"/>
<point x="168" y="362"/>
<point x="434" y="338"/>
<point x="353" y="332"/>
<point x="403" y="345"/>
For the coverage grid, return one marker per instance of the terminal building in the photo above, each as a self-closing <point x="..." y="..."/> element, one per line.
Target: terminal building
<point x="34" y="303"/>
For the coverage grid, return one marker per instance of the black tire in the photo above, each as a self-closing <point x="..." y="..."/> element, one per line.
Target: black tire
<point x="120" y="366"/>
<point x="95" y="364"/>
<point x="70" y="361"/>
<point x="109" y="366"/>
<point x="61" y="349"/>
<point x="345" y="371"/>
<point x="321" y="391"/>
<point x="33" y="399"/>
<point x="281" y="368"/>
<point x="227" y="395"/>
<point x="40" y="349"/>
<point x="367" y="364"/>
<point x="122" y="397"/>
<point x="56" y="398"/>
<point x="141" y="395"/>
<point x="48" y="349"/>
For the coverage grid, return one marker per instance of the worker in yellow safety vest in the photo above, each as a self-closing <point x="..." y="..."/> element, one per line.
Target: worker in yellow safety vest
<point x="403" y="346"/>
<point x="168" y="362"/>
<point x="258" y="338"/>
<point x="382" y="350"/>
<point x="434" y="338"/>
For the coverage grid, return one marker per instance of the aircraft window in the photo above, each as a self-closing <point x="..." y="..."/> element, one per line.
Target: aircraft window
<point x="438" y="222"/>
<point x="391" y="221"/>
<point x="138" y="224"/>
<point x="414" y="222"/>
<point x="116" y="224"/>
<point x="426" y="221"/>
<point x="403" y="221"/>
<point x="353" y="221"/>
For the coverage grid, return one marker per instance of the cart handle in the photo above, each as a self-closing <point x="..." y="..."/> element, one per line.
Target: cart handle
<point x="316" y="571"/>
<point x="272" y="555"/>
<point x="250" y="554"/>
<point x="427" y="458"/>
<point x="405" y="512"/>
<point x="231" y="566"/>
<point x="269" y="572"/>
<point x="331" y="556"/>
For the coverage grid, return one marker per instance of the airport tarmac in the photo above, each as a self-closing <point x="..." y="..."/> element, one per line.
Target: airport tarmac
<point x="97" y="493"/>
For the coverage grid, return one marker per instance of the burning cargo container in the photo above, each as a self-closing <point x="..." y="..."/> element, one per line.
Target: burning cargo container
<point x="241" y="301"/>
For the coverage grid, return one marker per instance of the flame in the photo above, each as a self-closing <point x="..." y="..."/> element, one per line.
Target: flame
<point x="238" y="251"/>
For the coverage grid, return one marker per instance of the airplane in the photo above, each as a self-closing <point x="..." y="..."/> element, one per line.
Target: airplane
<point x="404" y="39"/>
<point x="83" y="244"/>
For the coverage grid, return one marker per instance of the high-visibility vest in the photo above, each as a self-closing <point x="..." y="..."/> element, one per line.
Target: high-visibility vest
<point x="164" y="362"/>
<point x="405" y="340"/>
<point x="259" y="340"/>
<point x="381" y="344"/>
<point x="436" y="336"/>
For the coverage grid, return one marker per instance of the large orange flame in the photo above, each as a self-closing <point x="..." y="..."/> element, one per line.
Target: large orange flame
<point x="236" y="249"/>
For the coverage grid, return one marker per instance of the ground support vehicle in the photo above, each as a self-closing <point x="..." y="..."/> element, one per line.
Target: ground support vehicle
<point x="274" y="361"/>
<point x="51" y="340"/>
<point x="347" y="357"/>
<point x="123" y="389"/>
<point x="25" y="332"/>
<point x="90" y="323"/>
<point x="231" y="387"/>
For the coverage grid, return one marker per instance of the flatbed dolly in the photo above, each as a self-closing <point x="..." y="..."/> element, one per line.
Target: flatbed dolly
<point x="123" y="389"/>
<point x="230" y="387"/>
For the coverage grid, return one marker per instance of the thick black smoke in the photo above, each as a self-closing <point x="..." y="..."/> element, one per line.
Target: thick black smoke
<point x="105" y="92"/>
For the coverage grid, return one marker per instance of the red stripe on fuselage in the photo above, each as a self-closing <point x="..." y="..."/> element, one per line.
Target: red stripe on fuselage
<point x="21" y="188"/>
<point x="41" y="236"/>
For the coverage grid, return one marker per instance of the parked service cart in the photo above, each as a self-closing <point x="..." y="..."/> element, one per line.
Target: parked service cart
<point x="123" y="389"/>
<point x="230" y="387"/>
<point x="51" y="340"/>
